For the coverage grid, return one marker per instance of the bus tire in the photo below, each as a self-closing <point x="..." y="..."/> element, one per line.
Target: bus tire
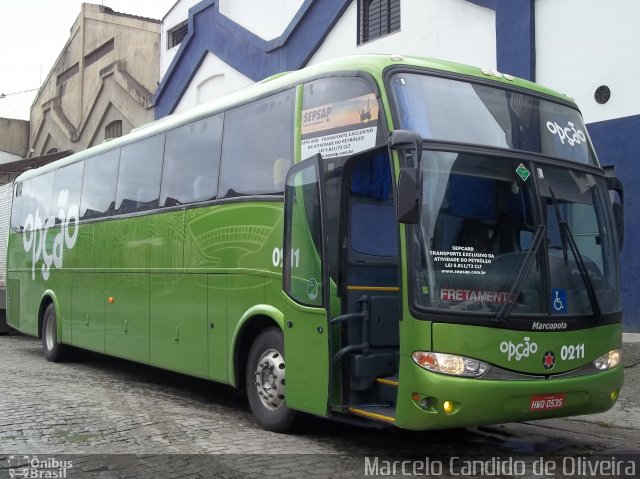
<point x="4" y="327"/>
<point x="266" y="382"/>
<point x="53" y="350"/>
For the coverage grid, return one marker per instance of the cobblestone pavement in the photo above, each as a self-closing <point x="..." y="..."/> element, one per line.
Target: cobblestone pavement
<point x="100" y="405"/>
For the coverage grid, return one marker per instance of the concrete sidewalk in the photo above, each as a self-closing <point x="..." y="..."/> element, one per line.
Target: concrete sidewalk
<point x="631" y="337"/>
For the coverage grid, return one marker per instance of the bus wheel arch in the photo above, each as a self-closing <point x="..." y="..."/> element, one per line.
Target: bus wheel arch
<point x="250" y="329"/>
<point x="47" y="298"/>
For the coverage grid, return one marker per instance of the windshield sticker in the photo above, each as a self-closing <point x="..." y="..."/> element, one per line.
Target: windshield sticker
<point x="462" y="260"/>
<point x="567" y="134"/>
<point x="343" y="115"/>
<point x="523" y="172"/>
<point x="341" y="128"/>
<point x="558" y="301"/>
<point x="479" y="295"/>
<point x="313" y="288"/>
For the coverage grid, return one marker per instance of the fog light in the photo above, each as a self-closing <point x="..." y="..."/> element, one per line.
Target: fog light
<point x="615" y="394"/>
<point x="448" y="407"/>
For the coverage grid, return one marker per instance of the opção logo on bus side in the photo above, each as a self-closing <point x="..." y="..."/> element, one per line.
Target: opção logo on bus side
<point x="34" y="237"/>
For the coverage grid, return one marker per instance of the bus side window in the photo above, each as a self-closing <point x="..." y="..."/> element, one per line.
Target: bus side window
<point x="192" y="162"/>
<point x="255" y="135"/>
<point x="139" y="181"/>
<point x="20" y="204"/>
<point x="66" y="189"/>
<point x="41" y="195"/>
<point x="99" y="185"/>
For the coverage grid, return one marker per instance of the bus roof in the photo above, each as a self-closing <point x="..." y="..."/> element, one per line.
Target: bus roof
<point x="374" y="64"/>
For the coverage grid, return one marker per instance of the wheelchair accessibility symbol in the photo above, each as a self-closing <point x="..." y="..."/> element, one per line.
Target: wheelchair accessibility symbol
<point x="558" y="301"/>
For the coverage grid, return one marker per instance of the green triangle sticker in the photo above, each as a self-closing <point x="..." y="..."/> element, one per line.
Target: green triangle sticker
<point x="523" y="172"/>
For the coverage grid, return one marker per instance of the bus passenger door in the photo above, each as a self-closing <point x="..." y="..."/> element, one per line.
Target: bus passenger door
<point x="305" y="284"/>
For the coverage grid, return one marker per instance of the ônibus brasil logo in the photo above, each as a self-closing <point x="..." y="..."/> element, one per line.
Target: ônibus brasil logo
<point x="35" y="236"/>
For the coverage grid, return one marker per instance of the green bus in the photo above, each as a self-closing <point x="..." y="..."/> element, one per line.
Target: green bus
<point x="429" y="245"/>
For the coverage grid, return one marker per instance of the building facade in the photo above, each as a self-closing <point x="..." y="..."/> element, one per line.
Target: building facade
<point x="213" y="47"/>
<point x="14" y="140"/>
<point x="101" y="85"/>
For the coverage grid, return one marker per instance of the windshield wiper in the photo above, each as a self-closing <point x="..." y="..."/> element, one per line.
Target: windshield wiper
<point x="518" y="284"/>
<point x="567" y="237"/>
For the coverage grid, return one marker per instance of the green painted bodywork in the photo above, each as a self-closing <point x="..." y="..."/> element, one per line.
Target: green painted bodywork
<point x="176" y="289"/>
<point x="181" y="289"/>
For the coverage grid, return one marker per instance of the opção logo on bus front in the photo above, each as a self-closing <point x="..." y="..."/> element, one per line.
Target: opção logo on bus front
<point x="34" y="238"/>
<point x="518" y="351"/>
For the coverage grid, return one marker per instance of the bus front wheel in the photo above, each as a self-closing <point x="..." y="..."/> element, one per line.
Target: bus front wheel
<point x="266" y="382"/>
<point x="53" y="350"/>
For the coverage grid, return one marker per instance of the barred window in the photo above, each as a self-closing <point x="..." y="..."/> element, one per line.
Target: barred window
<point x="113" y="130"/>
<point x="177" y="34"/>
<point x="377" y="18"/>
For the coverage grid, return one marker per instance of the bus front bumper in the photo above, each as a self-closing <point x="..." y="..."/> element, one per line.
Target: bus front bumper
<point x="428" y="400"/>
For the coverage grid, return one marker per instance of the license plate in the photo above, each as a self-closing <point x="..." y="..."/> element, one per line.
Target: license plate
<point x="546" y="402"/>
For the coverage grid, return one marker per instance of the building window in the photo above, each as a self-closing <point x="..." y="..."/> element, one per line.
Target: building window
<point x="68" y="73"/>
<point x="113" y="130"/>
<point x="377" y="18"/>
<point x="99" y="52"/>
<point x="177" y="34"/>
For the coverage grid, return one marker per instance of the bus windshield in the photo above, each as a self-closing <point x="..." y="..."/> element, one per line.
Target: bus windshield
<point x="481" y="217"/>
<point x="450" y="110"/>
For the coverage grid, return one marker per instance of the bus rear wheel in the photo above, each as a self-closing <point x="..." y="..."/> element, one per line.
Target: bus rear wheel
<point x="53" y="350"/>
<point x="266" y="382"/>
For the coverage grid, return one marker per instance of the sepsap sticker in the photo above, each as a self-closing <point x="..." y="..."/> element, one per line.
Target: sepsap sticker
<point x="341" y="128"/>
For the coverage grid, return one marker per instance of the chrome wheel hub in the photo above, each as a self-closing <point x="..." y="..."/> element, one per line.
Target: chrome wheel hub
<point x="270" y="379"/>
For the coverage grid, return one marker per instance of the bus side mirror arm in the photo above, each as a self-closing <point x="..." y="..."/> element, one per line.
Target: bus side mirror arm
<point x="407" y="140"/>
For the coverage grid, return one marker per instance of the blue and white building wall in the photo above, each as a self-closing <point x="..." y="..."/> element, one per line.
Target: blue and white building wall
<point x="574" y="46"/>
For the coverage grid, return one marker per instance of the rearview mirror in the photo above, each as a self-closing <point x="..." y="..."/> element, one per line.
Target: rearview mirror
<point x="409" y="195"/>
<point x="617" y="204"/>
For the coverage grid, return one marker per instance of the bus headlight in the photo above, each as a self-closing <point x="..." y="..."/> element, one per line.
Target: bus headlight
<point x="450" y="364"/>
<point x="608" y="361"/>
